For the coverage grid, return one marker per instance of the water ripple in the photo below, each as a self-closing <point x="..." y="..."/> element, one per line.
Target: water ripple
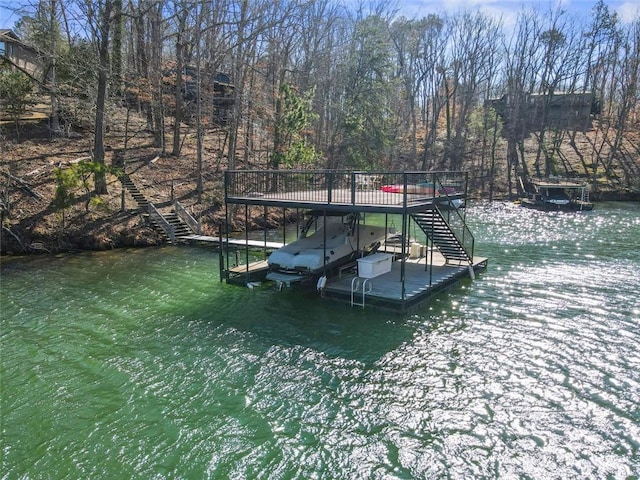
<point x="111" y="367"/>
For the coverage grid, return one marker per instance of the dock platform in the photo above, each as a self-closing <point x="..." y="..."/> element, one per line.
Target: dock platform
<point x="244" y="274"/>
<point x="238" y="242"/>
<point x="421" y="281"/>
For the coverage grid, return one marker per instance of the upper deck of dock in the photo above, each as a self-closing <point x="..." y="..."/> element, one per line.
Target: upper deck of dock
<point x="387" y="192"/>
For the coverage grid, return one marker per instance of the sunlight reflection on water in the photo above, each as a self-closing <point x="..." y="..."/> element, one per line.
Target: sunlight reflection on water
<point x="111" y="366"/>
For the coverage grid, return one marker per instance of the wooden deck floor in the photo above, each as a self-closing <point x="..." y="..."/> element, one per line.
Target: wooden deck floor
<point x="420" y="284"/>
<point x="259" y="266"/>
<point x="339" y="197"/>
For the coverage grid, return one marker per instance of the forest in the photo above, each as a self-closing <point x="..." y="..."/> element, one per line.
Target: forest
<point x="305" y="84"/>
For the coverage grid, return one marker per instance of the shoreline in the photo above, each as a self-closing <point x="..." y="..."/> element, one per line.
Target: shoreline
<point x="132" y="230"/>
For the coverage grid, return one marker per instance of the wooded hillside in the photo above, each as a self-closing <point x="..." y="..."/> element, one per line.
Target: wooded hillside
<point x="316" y="84"/>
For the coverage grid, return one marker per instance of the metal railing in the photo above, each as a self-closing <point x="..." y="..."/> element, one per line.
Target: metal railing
<point x="342" y="186"/>
<point x="455" y="217"/>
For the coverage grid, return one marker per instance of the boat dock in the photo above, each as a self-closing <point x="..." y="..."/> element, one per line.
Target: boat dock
<point x="240" y="269"/>
<point x="389" y="291"/>
<point x="415" y="268"/>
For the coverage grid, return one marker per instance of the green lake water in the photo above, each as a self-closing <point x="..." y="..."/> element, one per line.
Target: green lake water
<point x="139" y="363"/>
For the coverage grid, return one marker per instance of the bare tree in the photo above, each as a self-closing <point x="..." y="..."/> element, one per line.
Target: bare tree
<point x="627" y="95"/>
<point x="100" y="20"/>
<point x="406" y="35"/>
<point x="242" y="53"/>
<point x="42" y="30"/>
<point x="521" y="66"/>
<point x="182" y="41"/>
<point x="604" y="43"/>
<point x="474" y="37"/>
<point x="560" y="56"/>
<point x="430" y="74"/>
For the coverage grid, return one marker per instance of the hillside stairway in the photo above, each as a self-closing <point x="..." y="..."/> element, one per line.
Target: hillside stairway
<point x="180" y="228"/>
<point x="137" y="195"/>
<point x="444" y="237"/>
<point x="173" y="225"/>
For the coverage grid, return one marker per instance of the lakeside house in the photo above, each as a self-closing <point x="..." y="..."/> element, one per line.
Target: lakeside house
<point x="20" y="56"/>
<point x="566" y="110"/>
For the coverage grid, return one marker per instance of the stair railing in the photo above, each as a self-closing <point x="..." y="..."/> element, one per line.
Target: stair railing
<point x="455" y="219"/>
<point x="186" y="217"/>
<point x="460" y="230"/>
<point x="158" y="218"/>
<point x="428" y="225"/>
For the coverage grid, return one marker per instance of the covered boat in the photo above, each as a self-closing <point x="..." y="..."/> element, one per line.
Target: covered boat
<point x="326" y="243"/>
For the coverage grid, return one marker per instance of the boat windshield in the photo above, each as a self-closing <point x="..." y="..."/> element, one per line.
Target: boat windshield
<point x="317" y="221"/>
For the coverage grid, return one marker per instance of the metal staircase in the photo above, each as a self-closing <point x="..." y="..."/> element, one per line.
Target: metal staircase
<point x="443" y="236"/>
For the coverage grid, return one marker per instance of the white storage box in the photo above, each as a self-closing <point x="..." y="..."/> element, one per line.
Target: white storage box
<point x="374" y="265"/>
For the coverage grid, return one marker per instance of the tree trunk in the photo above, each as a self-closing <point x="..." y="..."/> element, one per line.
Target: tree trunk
<point x="116" y="55"/>
<point x="155" y="76"/>
<point x="55" y="124"/>
<point x="101" y="99"/>
<point x="180" y="89"/>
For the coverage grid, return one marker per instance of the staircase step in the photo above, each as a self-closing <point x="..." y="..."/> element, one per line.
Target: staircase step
<point x="437" y="229"/>
<point x="140" y="199"/>
<point x="180" y="229"/>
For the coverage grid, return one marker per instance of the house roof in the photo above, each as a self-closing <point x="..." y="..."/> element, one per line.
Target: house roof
<point x="9" y="35"/>
<point x="5" y="32"/>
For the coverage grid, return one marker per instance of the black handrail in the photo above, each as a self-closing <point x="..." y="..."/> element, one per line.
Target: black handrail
<point x="460" y="224"/>
<point x="322" y="186"/>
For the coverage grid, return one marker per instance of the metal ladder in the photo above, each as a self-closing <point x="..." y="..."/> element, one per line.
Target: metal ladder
<point x="585" y="195"/>
<point x="355" y="288"/>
